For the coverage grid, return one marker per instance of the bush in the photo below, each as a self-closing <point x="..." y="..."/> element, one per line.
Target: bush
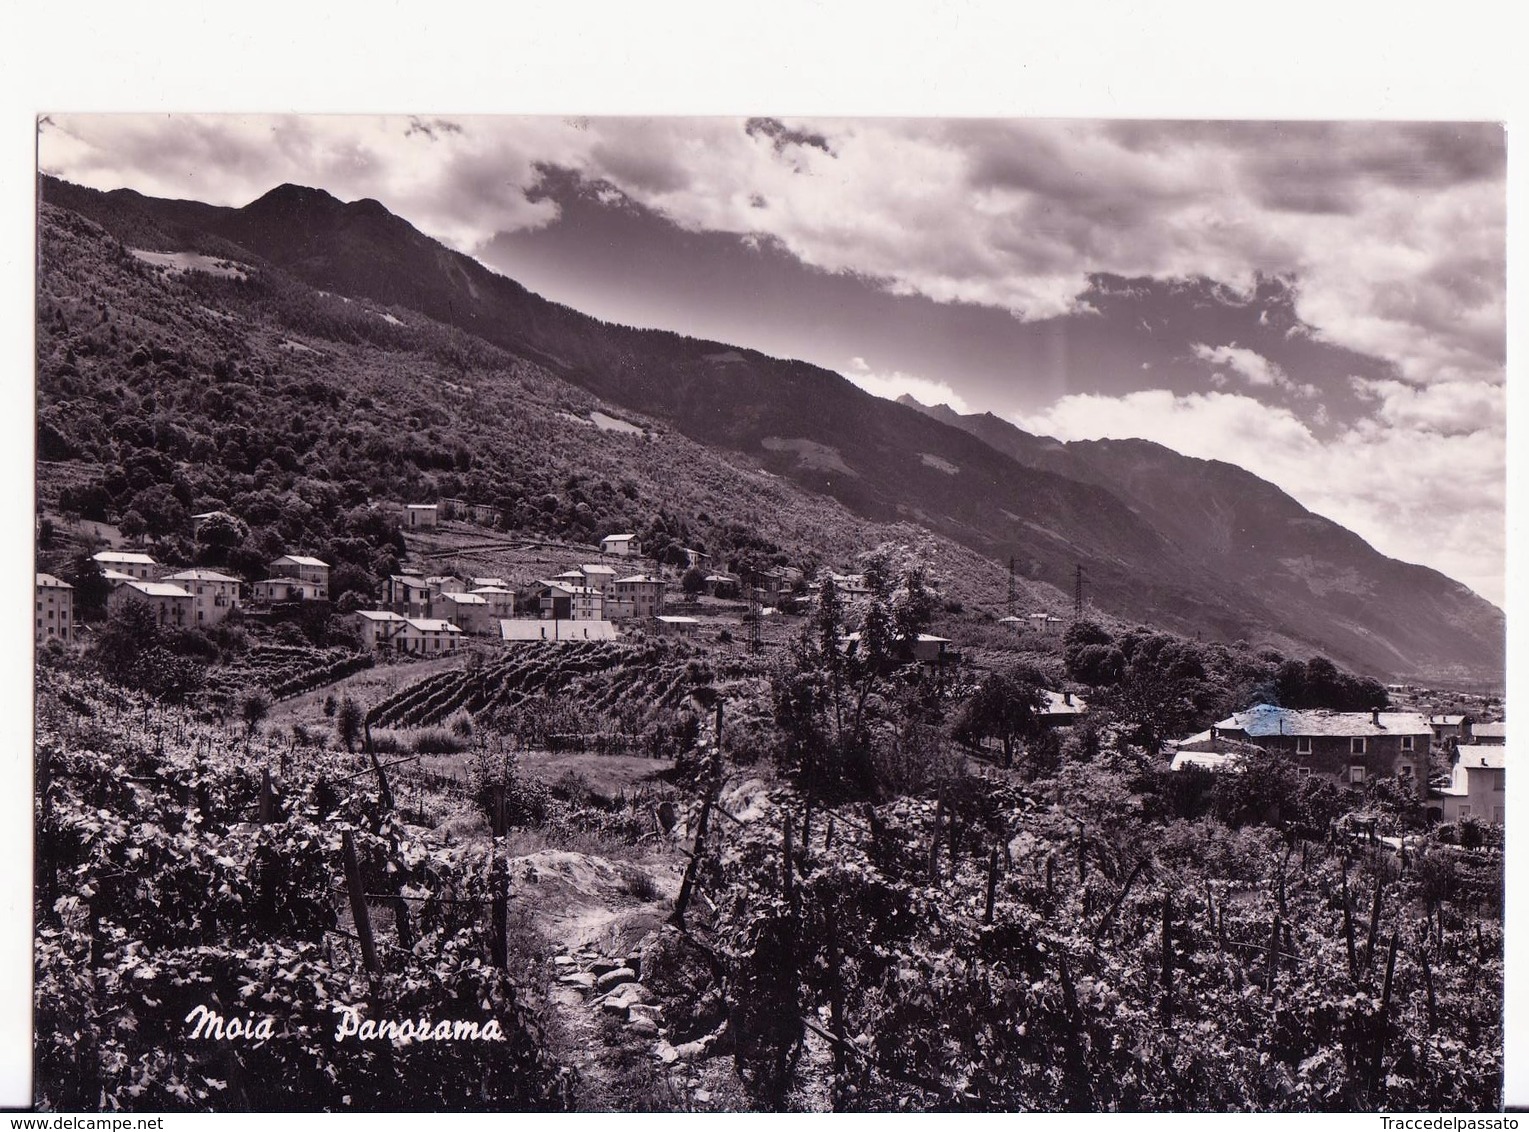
<point x="388" y="743"/>
<point x="437" y="741"/>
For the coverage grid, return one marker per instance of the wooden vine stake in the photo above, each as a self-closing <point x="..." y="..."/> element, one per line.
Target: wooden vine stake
<point x="267" y="801"/>
<point x="992" y="885"/>
<point x="1428" y="984"/>
<point x="1348" y="927"/>
<point x="384" y="793"/>
<point x="1369" y="946"/>
<point x="1167" y="959"/>
<point x="934" y="838"/>
<point x="687" y="884"/>
<point x="1377" y="1074"/>
<point x="787" y="866"/>
<point x="1274" y="936"/>
<point x="498" y="941"/>
<point x="358" y="909"/>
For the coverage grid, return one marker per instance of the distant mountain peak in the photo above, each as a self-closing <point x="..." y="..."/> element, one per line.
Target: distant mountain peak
<point x="290" y="197"/>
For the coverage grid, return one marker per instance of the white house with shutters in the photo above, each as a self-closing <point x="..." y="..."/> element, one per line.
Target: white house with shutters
<point x="131" y="562"/>
<point x="213" y="595"/>
<point x="55" y="610"/>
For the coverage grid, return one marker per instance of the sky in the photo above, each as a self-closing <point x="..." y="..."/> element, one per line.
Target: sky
<point x="1322" y="303"/>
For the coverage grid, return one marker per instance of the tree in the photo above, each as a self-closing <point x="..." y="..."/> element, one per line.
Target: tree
<point x="693" y="581"/>
<point x="1091" y="655"/>
<point x="348" y="722"/>
<point x="1258" y="788"/>
<point x="132" y="650"/>
<point x="132" y="525"/>
<point x="220" y="534"/>
<point x="254" y="706"/>
<point x="1007" y="706"/>
<point x="162" y="513"/>
<point x="91" y="589"/>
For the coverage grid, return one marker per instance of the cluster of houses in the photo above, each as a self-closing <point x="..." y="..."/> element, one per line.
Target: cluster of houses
<point x="1353" y="748"/>
<point x="190" y="598"/>
<point x="431" y="614"/>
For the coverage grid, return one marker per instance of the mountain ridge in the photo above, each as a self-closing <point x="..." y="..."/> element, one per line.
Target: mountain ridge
<point x="1047" y="505"/>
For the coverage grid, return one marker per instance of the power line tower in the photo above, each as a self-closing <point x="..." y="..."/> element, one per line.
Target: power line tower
<point x="1077" y="592"/>
<point x="1013" y="596"/>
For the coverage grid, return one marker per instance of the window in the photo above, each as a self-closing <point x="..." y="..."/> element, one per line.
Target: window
<point x="1303" y="745"/>
<point x="1465" y="811"/>
<point x="1404" y="771"/>
<point x="1356" y="745"/>
<point x="1406" y="742"/>
<point x="1303" y="770"/>
<point x="1356" y="773"/>
<point x="1497" y="781"/>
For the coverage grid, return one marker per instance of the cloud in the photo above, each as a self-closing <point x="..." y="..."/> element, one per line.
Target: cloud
<point x="1253" y="367"/>
<point x="1449" y="408"/>
<point x="1413" y="480"/>
<point x="1392" y="233"/>
<point x="894" y="385"/>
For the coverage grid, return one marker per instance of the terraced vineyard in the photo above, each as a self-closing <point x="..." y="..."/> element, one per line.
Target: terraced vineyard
<point x="287" y="670"/>
<point x="603" y="685"/>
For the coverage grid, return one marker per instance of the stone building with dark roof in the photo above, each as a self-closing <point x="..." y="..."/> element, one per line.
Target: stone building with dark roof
<point x="1351" y="747"/>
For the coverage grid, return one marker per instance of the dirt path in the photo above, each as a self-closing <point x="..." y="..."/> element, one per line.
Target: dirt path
<point x="590" y="907"/>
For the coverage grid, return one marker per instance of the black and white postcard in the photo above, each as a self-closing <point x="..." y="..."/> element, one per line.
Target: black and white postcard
<point x="769" y="613"/>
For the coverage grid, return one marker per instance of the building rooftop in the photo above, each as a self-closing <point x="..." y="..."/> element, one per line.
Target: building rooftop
<point x="597" y="569"/>
<point x="282" y="582"/>
<point x="1061" y="703"/>
<point x="673" y="619"/>
<point x="200" y="576"/>
<point x="466" y="599"/>
<point x="422" y="506"/>
<point x="640" y="578"/>
<point x="1266" y="719"/>
<point x="1491" y="730"/>
<point x="618" y="538"/>
<point x="378" y="615"/>
<point x="568" y="587"/>
<point x="536" y="629"/>
<point x="159" y="589"/>
<point x="299" y="560"/>
<point x="49" y="581"/>
<point x="1446" y="720"/>
<point x="1205" y="760"/>
<point x="432" y="625"/>
<point x="1476" y="755"/>
<point x="125" y="556"/>
<point x="411" y="580"/>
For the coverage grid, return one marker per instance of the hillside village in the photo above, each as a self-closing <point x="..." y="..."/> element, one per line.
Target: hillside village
<point x="717" y="786"/>
<point x="1452" y="763"/>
